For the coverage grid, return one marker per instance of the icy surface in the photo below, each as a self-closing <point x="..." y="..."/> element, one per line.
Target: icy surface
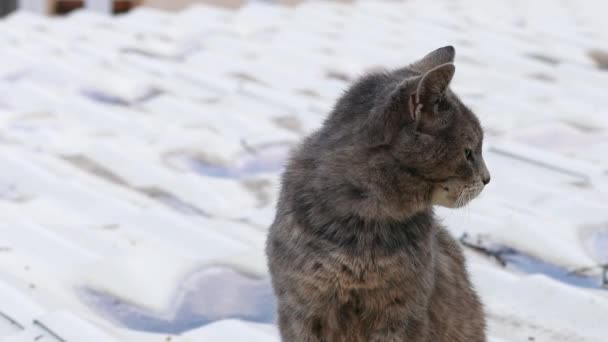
<point x="141" y="157"/>
<point x="206" y="296"/>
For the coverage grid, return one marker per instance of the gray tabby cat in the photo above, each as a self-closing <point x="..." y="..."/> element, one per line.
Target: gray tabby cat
<point x="355" y="252"/>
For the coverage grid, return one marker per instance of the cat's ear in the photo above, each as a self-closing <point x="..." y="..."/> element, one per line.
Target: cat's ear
<point x="431" y="88"/>
<point x="410" y="102"/>
<point x="435" y="82"/>
<point x="389" y="116"/>
<point x="434" y="59"/>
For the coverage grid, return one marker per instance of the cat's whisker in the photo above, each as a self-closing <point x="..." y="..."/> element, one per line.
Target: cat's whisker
<point x="463" y="201"/>
<point x="459" y="199"/>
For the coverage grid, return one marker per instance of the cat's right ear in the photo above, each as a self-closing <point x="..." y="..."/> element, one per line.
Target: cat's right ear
<point x="434" y="59"/>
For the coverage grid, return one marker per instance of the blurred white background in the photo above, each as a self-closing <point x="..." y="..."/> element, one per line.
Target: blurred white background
<point x="141" y="144"/>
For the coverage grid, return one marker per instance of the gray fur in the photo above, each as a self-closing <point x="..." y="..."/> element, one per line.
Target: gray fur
<point x="355" y="251"/>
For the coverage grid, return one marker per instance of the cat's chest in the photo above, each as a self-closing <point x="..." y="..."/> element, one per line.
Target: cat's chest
<point x="370" y="270"/>
<point x="370" y="286"/>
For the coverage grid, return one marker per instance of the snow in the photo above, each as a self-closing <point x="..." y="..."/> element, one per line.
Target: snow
<point x="126" y="143"/>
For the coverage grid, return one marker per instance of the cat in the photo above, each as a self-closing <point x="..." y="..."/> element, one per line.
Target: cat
<point x="355" y="252"/>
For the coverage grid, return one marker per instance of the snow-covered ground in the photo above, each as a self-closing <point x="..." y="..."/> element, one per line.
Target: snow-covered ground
<point x="140" y="154"/>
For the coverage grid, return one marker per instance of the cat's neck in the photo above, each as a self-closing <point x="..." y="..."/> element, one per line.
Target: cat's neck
<point x="359" y="235"/>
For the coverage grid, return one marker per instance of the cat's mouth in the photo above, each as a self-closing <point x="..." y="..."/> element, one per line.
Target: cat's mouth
<point x="455" y="195"/>
<point x="467" y="195"/>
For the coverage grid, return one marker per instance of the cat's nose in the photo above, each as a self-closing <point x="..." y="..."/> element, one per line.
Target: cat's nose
<point x="485" y="174"/>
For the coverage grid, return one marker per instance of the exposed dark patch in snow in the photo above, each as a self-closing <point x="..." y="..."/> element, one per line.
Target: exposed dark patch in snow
<point x="519" y="261"/>
<point x="160" y="195"/>
<point x="173" y="202"/>
<point x="291" y="123"/>
<point x="338" y="75"/>
<point x="540" y="76"/>
<point x="89" y="165"/>
<point x="550" y="60"/>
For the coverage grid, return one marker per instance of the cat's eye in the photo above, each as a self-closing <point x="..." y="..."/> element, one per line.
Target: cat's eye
<point x="468" y="153"/>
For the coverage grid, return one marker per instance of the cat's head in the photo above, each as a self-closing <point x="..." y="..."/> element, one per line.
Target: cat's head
<point x="428" y="131"/>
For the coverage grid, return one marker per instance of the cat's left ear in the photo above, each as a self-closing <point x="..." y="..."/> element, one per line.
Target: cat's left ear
<point x="431" y="88"/>
<point x="436" y="58"/>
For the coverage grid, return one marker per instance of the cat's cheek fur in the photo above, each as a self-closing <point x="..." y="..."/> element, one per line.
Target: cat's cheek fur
<point x="441" y="197"/>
